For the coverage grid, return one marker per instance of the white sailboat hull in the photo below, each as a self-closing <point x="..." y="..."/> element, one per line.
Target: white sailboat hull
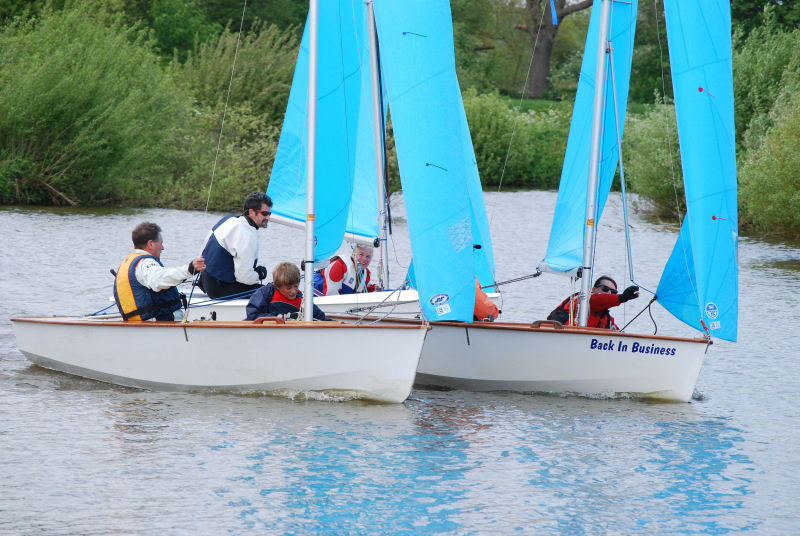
<point x="581" y="361"/>
<point x="372" y="362"/>
<point x="392" y="303"/>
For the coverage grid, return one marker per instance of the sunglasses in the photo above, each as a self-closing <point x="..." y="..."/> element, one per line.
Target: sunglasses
<point x="607" y="289"/>
<point x="264" y="212"/>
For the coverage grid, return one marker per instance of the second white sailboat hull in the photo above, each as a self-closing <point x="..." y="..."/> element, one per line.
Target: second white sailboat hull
<point x="517" y="357"/>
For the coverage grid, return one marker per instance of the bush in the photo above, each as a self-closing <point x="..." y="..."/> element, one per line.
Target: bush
<point x="86" y="113"/>
<point x="262" y="74"/>
<point x="762" y="65"/>
<point x="652" y="160"/>
<point x="534" y="157"/>
<point x="247" y="151"/>
<point x="769" y="178"/>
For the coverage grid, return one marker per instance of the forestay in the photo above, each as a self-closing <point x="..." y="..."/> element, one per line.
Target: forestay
<point x="565" y="247"/>
<point x="700" y="281"/>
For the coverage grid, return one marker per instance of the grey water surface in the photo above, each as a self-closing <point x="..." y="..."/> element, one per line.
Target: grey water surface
<point x="79" y="457"/>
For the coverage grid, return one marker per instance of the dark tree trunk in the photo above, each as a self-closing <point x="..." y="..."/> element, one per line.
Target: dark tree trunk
<point x="543" y="39"/>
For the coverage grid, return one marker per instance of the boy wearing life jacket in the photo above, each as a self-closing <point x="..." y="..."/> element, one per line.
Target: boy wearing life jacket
<point x="346" y="276"/>
<point x="282" y="297"/>
<point x="604" y="296"/>
<point x="143" y="287"/>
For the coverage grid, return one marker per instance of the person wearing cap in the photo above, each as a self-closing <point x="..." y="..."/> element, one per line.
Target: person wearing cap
<point x="231" y="250"/>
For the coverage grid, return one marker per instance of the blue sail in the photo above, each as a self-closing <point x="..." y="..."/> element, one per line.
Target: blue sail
<point x="705" y="256"/>
<point x="417" y="55"/>
<point x="565" y="247"/>
<point x="342" y="40"/>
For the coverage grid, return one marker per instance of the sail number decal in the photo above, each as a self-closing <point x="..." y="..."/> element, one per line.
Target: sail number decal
<point x="712" y="312"/>
<point x="635" y="348"/>
<point x="440" y="303"/>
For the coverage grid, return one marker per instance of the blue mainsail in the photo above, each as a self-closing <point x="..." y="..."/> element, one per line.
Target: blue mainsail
<point x="704" y="260"/>
<point x="342" y="41"/>
<point x="565" y="247"/>
<point x="417" y="55"/>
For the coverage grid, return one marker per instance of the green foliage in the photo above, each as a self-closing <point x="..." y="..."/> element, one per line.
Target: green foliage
<point x="534" y="158"/>
<point x="650" y="68"/>
<point x="763" y="65"/>
<point x="86" y="113"/>
<point x="262" y="74"/>
<point x="652" y="160"/>
<point x="281" y="13"/>
<point x="567" y="55"/>
<point x="246" y="153"/>
<point x="769" y="176"/>
<point x="747" y="15"/>
<point x="179" y="24"/>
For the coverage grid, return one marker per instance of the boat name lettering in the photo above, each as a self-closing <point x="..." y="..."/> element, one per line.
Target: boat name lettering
<point x="636" y="347"/>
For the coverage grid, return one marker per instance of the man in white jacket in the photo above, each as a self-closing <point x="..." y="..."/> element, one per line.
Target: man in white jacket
<point x="231" y="250"/>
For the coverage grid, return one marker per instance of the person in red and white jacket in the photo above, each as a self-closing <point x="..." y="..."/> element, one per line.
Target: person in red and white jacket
<point x="346" y="276"/>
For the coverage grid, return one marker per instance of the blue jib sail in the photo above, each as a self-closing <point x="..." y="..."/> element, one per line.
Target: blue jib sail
<point x="342" y="42"/>
<point x="565" y="247"/>
<point x="700" y="281"/>
<point x="436" y="168"/>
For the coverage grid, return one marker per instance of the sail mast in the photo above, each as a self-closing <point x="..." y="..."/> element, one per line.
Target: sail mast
<point x="590" y="227"/>
<point x="378" y="135"/>
<point x="308" y="266"/>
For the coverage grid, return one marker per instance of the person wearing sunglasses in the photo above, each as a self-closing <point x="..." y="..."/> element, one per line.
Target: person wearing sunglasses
<point x="604" y="297"/>
<point x="231" y="250"/>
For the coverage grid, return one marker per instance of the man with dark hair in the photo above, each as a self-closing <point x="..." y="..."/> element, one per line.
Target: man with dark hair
<point x="143" y="287"/>
<point x="231" y="250"/>
<point x="604" y="296"/>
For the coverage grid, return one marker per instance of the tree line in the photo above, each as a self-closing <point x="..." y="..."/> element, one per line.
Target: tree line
<point x="120" y="102"/>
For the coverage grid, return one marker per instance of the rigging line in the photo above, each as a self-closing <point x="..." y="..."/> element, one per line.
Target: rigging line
<point x="227" y="99"/>
<point x="621" y="167"/>
<point x="515" y="280"/>
<point x="646" y="308"/>
<point x="519" y="108"/>
<point x="669" y="151"/>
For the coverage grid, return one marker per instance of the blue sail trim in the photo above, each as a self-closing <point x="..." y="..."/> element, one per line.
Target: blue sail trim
<point x="342" y="40"/>
<point x="565" y="247"/>
<point x="699" y="36"/>
<point x="426" y="109"/>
